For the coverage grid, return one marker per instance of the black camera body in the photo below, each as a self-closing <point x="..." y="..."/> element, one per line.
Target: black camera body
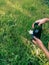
<point x="37" y="30"/>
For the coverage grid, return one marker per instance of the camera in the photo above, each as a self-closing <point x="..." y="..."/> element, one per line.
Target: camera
<point x="37" y="30"/>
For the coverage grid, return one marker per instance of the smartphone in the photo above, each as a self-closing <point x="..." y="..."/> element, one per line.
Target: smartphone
<point x="37" y="30"/>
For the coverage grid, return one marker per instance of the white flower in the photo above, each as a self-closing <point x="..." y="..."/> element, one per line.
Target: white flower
<point x="30" y="31"/>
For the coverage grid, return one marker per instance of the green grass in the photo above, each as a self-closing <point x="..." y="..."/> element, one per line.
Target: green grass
<point x="16" y="18"/>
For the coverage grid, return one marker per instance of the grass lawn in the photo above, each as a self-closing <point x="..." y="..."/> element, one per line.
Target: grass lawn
<point x="16" y="18"/>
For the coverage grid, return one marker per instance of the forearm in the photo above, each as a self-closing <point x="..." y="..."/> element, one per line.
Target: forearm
<point x="46" y="19"/>
<point x="44" y="50"/>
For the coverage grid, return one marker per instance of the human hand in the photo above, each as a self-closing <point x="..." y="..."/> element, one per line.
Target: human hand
<point x="41" y="21"/>
<point x="37" y="41"/>
<point x="40" y="44"/>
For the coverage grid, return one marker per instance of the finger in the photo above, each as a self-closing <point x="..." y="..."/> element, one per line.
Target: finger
<point x="34" y="42"/>
<point x="33" y="26"/>
<point x="39" y="24"/>
<point x="35" y="38"/>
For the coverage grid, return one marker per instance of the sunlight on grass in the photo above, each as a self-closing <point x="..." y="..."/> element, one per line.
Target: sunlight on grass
<point x="2" y="12"/>
<point x="17" y="6"/>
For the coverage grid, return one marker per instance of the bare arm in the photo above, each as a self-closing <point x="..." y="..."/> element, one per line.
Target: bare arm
<point x="47" y="19"/>
<point x="41" y="21"/>
<point x="40" y="44"/>
<point x="38" y="41"/>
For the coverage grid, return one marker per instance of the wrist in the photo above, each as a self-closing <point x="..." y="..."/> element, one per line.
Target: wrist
<point x="46" y="19"/>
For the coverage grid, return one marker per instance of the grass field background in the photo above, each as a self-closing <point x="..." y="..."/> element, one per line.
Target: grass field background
<point x="16" y="19"/>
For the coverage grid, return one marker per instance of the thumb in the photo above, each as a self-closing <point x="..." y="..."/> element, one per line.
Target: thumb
<point x="34" y="42"/>
<point x="35" y="38"/>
